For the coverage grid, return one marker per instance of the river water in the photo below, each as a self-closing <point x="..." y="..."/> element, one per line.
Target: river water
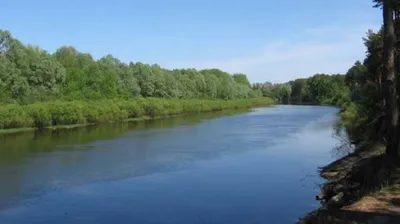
<point x="257" y="166"/>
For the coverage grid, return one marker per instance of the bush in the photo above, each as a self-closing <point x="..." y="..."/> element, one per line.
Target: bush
<point x="104" y="111"/>
<point x="14" y="116"/>
<point x="152" y="107"/>
<point x="67" y="113"/>
<point x="80" y="112"/>
<point x="132" y="108"/>
<point x="40" y="113"/>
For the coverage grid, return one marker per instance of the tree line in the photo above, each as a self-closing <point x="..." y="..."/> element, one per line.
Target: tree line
<point x="319" y="89"/>
<point x="68" y="87"/>
<point x="29" y="74"/>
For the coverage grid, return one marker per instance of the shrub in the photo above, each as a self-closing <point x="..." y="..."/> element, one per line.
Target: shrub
<point x="80" y="112"/>
<point x="40" y="113"/>
<point x="132" y="108"/>
<point x="67" y="113"/>
<point x="14" y="116"/>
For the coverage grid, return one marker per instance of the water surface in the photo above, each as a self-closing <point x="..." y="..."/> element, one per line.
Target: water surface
<point x="255" y="166"/>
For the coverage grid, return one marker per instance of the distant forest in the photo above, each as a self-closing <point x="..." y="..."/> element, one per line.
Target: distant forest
<point x="320" y="89"/>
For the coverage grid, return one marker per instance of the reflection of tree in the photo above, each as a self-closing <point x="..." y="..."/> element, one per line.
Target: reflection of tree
<point x="9" y="186"/>
<point x="344" y="146"/>
<point x="34" y="162"/>
<point x="19" y="146"/>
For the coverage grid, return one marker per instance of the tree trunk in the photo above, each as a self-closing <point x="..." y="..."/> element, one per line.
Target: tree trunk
<point x="390" y="80"/>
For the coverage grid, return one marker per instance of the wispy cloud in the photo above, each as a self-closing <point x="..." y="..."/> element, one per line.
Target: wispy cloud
<point x="331" y="49"/>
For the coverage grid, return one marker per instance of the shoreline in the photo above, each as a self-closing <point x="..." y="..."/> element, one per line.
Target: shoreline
<point x="360" y="187"/>
<point x="352" y="192"/>
<point x="135" y="119"/>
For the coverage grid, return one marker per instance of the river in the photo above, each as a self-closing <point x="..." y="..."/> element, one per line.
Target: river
<point x="256" y="166"/>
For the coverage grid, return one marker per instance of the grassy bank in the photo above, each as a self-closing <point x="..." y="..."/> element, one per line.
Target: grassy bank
<point x="67" y="114"/>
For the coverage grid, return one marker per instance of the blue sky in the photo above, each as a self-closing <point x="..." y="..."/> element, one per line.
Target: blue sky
<point x="268" y="40"/>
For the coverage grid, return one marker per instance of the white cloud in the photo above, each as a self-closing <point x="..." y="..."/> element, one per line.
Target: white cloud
<point x="316" y="50"/>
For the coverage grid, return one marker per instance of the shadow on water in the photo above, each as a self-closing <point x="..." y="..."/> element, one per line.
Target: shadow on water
<point x="16" y="146"/>
<point x="344" y="146"/>
<point x="32" y="164"/>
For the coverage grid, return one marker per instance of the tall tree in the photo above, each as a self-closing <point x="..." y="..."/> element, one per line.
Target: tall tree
<point x="390" y="79"/>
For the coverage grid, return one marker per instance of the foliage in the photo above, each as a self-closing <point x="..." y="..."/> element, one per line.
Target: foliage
<point x="373" y="83"/>
<point x="29" y="74"/>
<point x="38" y="89"/>
<point x="45" y="114"/>
<point x="320" y="89"/>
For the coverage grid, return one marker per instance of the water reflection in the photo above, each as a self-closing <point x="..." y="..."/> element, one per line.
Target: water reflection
<point x="252" y="167"/>
<point x="33" y="163"/>
<point x="15" y="147"/>
<point x="343" y="146"/>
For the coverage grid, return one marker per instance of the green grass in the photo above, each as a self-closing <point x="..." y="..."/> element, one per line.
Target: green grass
<point x="67" y="126"/>
<point x="15" y="130"/>
<point x="71" y="114"/>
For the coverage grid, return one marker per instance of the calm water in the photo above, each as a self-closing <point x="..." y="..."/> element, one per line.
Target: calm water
<point x="254" y="166"/>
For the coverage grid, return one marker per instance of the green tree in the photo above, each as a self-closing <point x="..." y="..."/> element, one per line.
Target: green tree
<point x="282" y="92"/>
<point x="299" y="91"/>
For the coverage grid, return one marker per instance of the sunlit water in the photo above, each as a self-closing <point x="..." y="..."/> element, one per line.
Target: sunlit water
<point x="257" y="166"/>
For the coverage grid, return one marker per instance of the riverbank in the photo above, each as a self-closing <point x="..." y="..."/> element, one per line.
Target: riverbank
<point x="362" y="187"/>
<point x="71" y="114"/>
